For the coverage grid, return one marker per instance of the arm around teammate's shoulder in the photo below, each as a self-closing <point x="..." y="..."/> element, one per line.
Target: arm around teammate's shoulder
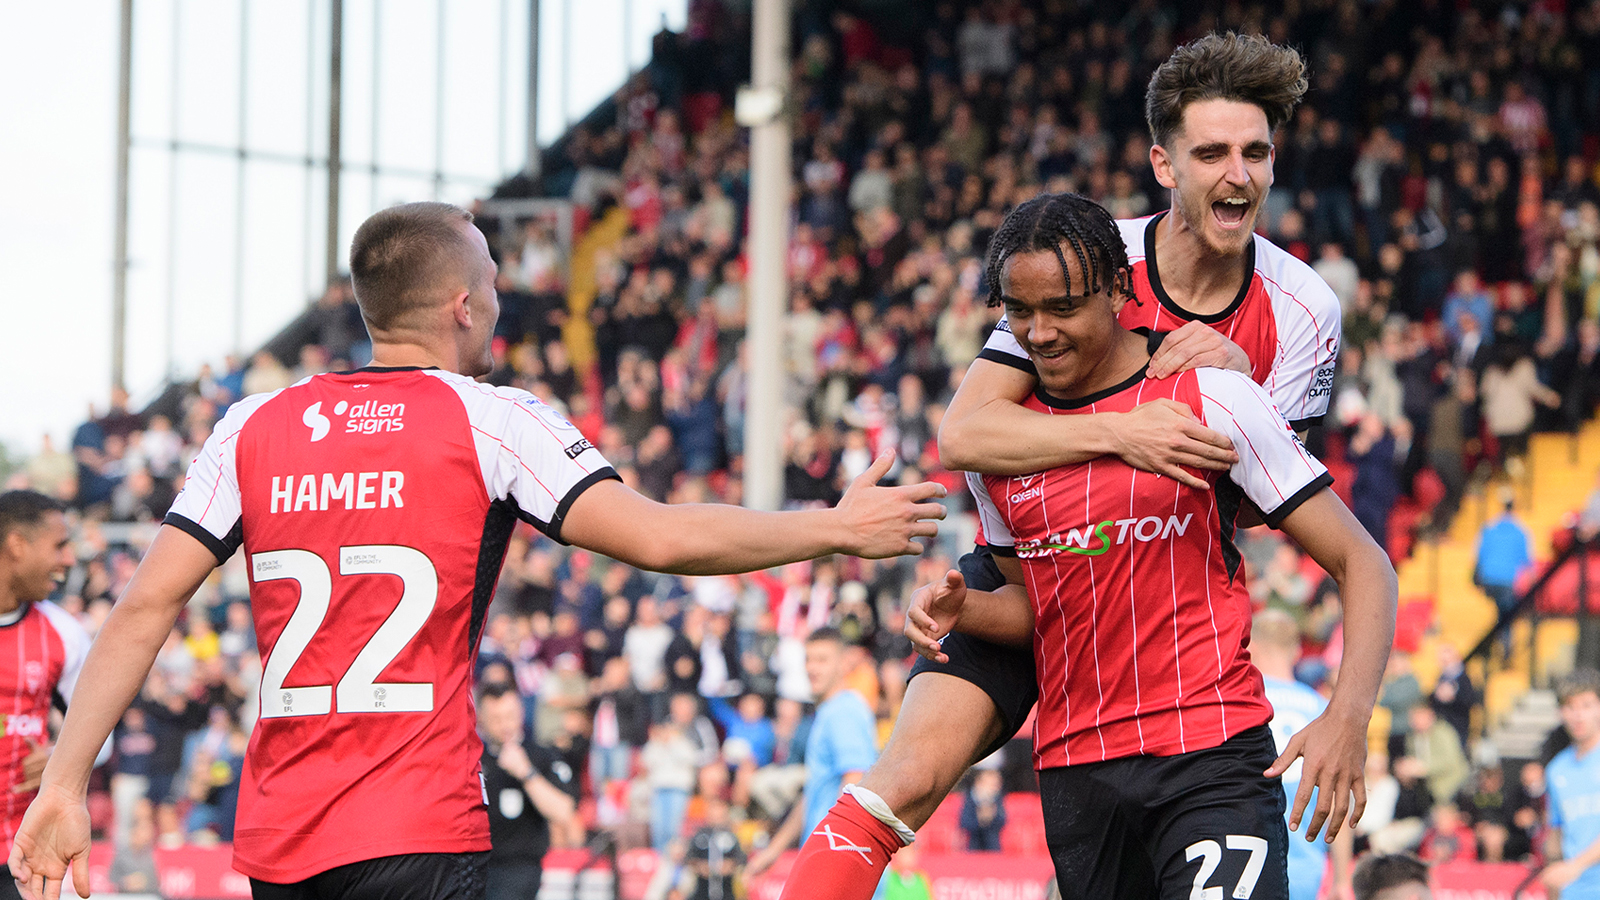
<point x="986" y="429"/>
<point x="711" y="539"/>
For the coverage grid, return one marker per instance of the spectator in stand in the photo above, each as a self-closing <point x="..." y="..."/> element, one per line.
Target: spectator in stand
<point x="1449" y="838"/>
<point x="525" y="794"/>
<point x="1502" y="558"/>
<point x="1509" y="388"/>
<point x="1434" y="745"/>
<point x="983" y="812"/>
<point x="670" y="761"/>
<point x="1454" y="695"/>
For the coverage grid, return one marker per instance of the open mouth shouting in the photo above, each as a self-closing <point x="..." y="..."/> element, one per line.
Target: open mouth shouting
<point x="1231" y="212"/>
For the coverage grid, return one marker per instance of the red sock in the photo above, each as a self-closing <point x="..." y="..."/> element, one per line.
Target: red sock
<point x="844" y="858"/>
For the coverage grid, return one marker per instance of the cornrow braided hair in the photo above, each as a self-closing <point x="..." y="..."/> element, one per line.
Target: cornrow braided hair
<point x="1046" y="223"/>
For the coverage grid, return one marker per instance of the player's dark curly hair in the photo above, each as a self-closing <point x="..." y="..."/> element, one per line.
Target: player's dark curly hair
<point x="1046" y="223"/>
<point x="1243" y="67"/>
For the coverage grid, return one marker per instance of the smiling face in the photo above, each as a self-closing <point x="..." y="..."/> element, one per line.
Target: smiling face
<point x="38" y="557"/>
<point x="1070" y="337"/>
<point x="1219" y="167"/>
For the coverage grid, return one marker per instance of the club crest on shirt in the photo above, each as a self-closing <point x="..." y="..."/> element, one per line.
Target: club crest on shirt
<point x="548" y="414"/>
<point x="33" y="675"/>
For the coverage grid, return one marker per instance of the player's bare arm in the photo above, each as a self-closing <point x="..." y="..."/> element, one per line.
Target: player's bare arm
<point x="1561" y="872"/>
<point x="1004" y="616"/>
<point x="55" y="832"/>
<point x="987" y="430"/>
<point x="1334" y="745"/>
<point x="710" y="539"/>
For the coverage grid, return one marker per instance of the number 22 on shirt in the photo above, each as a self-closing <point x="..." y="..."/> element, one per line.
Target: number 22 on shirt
<point x="357" y="691"/>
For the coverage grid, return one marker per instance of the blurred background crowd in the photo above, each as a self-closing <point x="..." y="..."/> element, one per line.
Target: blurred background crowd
<point x="1441" y="177"/>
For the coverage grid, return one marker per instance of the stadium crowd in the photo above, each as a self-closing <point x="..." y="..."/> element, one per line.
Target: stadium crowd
<point x="1441" y="177"/>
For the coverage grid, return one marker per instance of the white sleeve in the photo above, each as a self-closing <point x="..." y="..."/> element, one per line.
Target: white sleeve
<point x="1308" y="354"/>
<point x="531" y="455"/>
<point x="208" y="507"/>
<point x="74" y="644"/>
<point x="75" y="647"/>
<point x="995" y="532"/>
<point x="1274" y="469"/>
<point x="1002" y="347"/>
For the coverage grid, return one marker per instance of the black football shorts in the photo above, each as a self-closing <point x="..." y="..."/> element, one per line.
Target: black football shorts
<point x="408" y="876"/>
<point x="1200" y="824"/>
<point x="1006" y="674"/>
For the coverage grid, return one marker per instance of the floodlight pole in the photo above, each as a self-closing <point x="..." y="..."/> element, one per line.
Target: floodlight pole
<point x="768" y="283"/>
<point x="335" y="97"/>
<point x="119" y="270"/>
<point x="532" y="165"/>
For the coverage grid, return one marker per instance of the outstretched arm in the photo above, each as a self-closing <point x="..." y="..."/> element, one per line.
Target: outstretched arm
<point x="55" y="831"/>
<point x="987" y="430"/>
<point x="712" y="539"/>
<point x="1335" y="744"/>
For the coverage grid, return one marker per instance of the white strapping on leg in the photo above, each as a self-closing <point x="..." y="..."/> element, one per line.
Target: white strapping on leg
<point x="880" y="810"/>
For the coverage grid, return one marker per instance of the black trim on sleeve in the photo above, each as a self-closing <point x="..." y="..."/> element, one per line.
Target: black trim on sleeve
<point x="1303" y="424"/>
<point x="1006" y="359"/>
<point x="1276" y="517"/>
<point x="553" y="528"/>
<point x="221" y="549"/>
<point x="1001" y="551"/>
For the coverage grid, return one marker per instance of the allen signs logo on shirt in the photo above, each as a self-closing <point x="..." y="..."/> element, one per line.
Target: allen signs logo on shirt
<point x="1095" y="538"/>
<point x="369" y="417"/>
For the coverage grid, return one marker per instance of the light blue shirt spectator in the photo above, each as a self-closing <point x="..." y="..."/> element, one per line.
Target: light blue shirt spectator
<point x="1294" y="705"/>
<point x="1503" y="551"/>
<point x="844" y="738"/>
<point x="1574" y="798"/>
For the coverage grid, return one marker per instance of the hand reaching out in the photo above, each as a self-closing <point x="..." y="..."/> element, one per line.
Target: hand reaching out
<point x="935" y="609"/>
<point x="883" y="520"/>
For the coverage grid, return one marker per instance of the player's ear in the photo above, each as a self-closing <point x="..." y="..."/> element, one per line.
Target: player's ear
<point x="1161" y="162"/>
<point x="1122" y="290"/>
<point x="461" y="309"/>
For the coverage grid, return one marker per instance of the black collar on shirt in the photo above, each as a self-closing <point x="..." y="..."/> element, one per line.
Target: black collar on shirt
<point x="1161" y="293"/>
<point x="1152" y="339"/>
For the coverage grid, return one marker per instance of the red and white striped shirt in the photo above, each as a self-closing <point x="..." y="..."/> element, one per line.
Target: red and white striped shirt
<point x="42" y="649"/>
<point x="1142" y="618"/>
<point x="1285" y="318"/>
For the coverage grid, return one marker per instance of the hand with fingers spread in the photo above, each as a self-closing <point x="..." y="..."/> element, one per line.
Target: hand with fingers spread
<point x="881" y="521"/>
<point x="1164" y="437"/>
<point x="54" y="836"/>
<point x="32" y="766"/>
<point x="1334" y="747"/>
<point x="1193" y="345"/>
<point x="934" y="611"/>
